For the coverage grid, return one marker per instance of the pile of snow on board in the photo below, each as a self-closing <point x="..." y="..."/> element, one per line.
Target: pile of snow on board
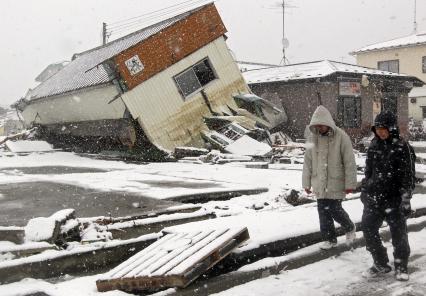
<point x="175" y="260"/>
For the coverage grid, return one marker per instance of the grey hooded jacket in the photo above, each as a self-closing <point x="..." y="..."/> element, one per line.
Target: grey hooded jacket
<point x="329" y="166"/>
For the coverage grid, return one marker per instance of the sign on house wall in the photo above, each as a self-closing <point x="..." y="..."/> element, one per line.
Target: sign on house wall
<point x="347" y="88"/>
<point x="134" y="65"/>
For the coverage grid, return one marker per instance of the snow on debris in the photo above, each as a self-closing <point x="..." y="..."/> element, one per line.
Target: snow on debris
<point x="173" y="254"/>
<point x="248" y="146"/>
<point x="41" y="228"/>
<point x="28" y="146"/>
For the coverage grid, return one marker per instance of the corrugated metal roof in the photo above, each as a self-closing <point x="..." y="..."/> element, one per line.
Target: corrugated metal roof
<point x="307" y="71"/>
<point x="411" y="40"/>
<point x="87" y="70"/>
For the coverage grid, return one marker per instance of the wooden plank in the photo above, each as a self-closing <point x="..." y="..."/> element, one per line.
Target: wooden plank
<point x="175" y="260"/>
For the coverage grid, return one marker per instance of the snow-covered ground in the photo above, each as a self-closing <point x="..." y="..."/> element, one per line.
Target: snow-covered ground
<point x="267" y="216"/>
<point x="339" y="275"/>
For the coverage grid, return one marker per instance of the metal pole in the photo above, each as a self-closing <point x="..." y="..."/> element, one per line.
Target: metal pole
<point x="415" y="16"/>
<point x="283" y="41"/>
<point x="104" y="34"/>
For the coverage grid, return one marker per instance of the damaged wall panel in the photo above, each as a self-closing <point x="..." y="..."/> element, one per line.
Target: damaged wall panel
<point x="88" y="105"/>
<point x="170" y="120"/>
<point x="160" y="51"/>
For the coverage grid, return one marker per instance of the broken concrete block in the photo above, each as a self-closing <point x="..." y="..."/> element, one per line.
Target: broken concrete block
<point x="48" y="229"/>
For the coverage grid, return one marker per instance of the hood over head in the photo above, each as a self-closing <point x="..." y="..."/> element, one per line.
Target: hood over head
<point x="321" y="116"/>
<point x="387" y="120"/>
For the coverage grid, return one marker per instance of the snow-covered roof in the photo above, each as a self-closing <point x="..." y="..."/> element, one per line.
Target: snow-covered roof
<point x="411" y="40"/>
<point x="310" y="70"/>
<point x="417" y="92"/>
<point x="248" y="66"/>
<point x="86" y="68"/>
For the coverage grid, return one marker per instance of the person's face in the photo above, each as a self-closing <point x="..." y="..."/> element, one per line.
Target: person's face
<point x="322" y="129"/>
<point x="382" y="133"/>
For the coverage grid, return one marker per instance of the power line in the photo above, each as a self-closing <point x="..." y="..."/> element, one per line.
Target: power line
<point x="137" y="21"/>
<point x="152" y="12"/>
<point x="157" y="13"/>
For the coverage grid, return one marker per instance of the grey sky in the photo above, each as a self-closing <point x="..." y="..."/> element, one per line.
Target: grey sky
<point x="36" y="33"/>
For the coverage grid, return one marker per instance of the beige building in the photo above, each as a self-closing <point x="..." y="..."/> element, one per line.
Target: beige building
<point x="402" y="55"/>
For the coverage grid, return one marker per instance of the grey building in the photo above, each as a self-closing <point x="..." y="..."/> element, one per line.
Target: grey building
<point x="353" y="94"/>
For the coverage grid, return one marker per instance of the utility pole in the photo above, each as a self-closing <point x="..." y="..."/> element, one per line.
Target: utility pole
<point x="415" y="17"/>
<point x="284" y="41"/>
<point x="104" y="33"/>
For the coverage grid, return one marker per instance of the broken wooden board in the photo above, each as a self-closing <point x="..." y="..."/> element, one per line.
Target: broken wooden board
<point x="135" y="228"/>
<point x="27" y="249"/>
<point x="175" y="260"/>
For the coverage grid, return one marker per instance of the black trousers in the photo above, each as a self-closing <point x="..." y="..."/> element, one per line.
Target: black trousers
<point x="372" y="219"/>
<point x="330" y="210"/>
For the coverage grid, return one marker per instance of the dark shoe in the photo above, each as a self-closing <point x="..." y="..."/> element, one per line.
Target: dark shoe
<point x="376" y="270"/>
<point x="401" y="275"/>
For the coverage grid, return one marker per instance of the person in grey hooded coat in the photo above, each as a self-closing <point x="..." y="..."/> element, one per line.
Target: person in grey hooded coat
<point x="329" y="171"/>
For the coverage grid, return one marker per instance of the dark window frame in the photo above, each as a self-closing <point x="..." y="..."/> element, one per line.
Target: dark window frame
<point x="424" y="64"/>
<point x="423" y="111"/>
<point x="200" y="78"/>
<point x="343" y="112"/>
<point x="385" y="65"/>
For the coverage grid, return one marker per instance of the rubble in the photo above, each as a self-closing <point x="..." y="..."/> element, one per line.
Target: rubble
<point x="56" y="229"/>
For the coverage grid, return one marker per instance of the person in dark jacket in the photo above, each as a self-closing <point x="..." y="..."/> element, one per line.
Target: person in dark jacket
<point x="386" y="192"/>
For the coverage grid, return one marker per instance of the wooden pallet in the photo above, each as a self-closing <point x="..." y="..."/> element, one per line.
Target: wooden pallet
<point x="175" y="260"/>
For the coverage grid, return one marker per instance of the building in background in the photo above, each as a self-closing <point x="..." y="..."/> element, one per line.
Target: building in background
<point x="401" y="55"/>
<point x="353" y="94"/>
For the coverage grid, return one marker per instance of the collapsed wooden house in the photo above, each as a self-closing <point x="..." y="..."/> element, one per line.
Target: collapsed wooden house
<point x="152" y="88"/>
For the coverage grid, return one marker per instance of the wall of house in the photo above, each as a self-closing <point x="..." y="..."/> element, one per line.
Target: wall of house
<point x="410" y="59"/>
<point x="171" y="45"/>
<point x="415" y="110"/>
<point x="167" y="118"/>
<point x="86" y="105"/>
<point x="300" y="100"/>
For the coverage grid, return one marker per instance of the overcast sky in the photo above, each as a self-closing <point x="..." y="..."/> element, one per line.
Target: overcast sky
<point x="36" y="33"/>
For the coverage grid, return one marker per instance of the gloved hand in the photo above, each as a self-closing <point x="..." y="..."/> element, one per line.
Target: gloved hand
<point x="308" y="191"/>
<point x="405" y="206"/>
<point x="347" y="191"/>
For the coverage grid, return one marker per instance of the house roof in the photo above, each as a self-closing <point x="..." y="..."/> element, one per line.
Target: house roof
<point x="87" y="69"/>
<point x="248" y="66"/>
<point x="310" y="70"/>
<point x="417" y="92"/>
<point x="411" y="40"/>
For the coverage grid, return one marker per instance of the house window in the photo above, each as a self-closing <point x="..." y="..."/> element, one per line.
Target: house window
<point x="349" y="111"/>
<point x="424" y="111"/>
<point x="194" y="78"/>
<point x="391" y="66"/>
<point x="424" y="64"/>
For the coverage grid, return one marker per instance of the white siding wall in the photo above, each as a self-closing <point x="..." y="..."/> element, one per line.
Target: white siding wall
<point x="167" y="118"/>
<point x="86" y="105"/>
<point x="415" y="109"/>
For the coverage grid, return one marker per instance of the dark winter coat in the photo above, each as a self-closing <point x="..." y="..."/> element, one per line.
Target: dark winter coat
<point x="389" y="166"/>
